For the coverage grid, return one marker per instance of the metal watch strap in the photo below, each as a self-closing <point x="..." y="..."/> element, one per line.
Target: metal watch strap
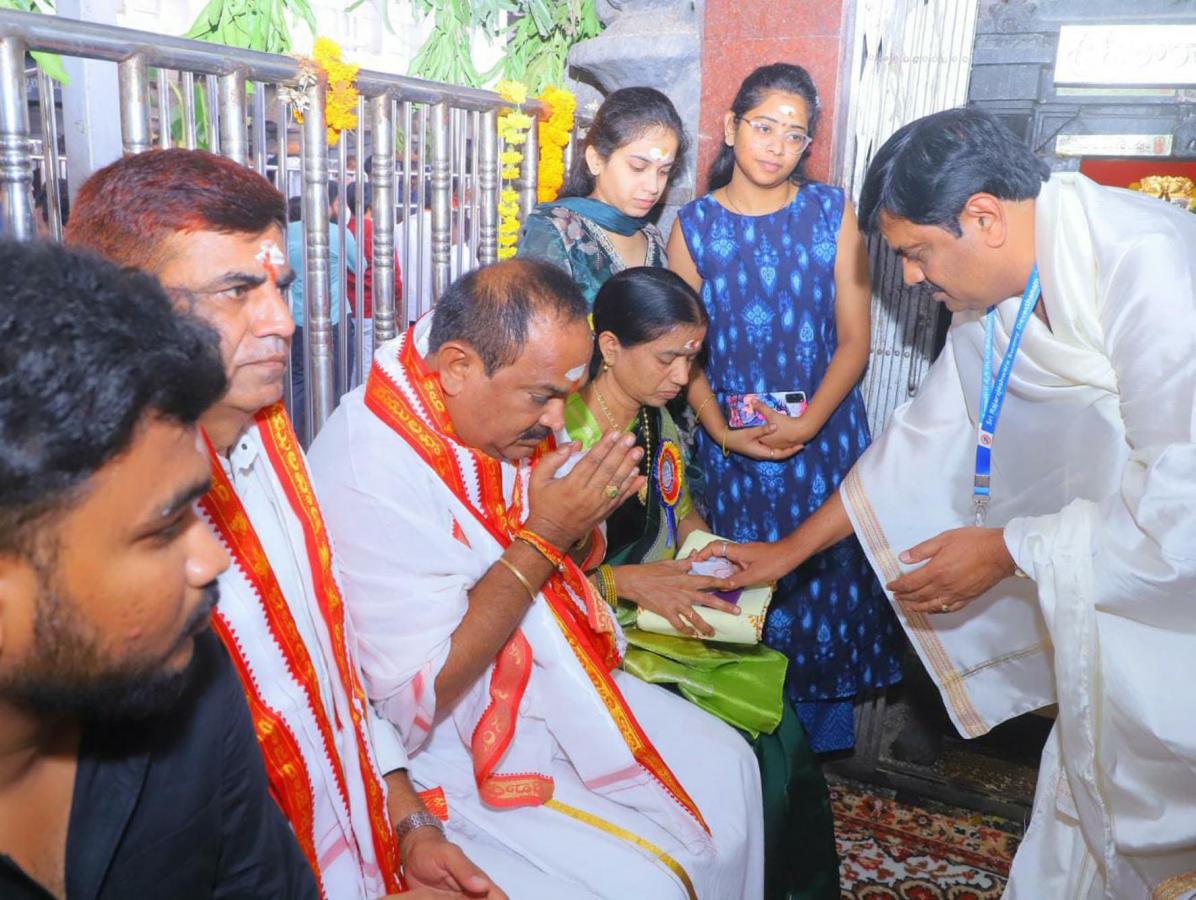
<point x="415" y="820"/>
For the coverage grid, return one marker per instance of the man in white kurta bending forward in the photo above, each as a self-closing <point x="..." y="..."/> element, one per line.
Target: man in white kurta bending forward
<point x="211" y="230"/>
<point x="484" y="643"/>
<point x="1037" y="527"/>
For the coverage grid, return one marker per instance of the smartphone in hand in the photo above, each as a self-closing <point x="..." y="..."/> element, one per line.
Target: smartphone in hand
<point x="742" y="414"/>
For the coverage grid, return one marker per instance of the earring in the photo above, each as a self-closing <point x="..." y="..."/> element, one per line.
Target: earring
<point x="605" y="366"/>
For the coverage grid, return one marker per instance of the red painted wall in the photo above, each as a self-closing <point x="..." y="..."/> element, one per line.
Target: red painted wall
<point x="743" y="34"/>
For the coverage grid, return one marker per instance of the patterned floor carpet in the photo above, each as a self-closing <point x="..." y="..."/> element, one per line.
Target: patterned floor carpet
<point x="892" y="850"/>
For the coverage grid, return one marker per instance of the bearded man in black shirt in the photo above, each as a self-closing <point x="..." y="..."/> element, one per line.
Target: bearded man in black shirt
<point x="128" y="762"/>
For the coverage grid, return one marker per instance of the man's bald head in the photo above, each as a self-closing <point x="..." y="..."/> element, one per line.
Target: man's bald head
<point x="510" y="342"/>
<point x="491" y="309"/>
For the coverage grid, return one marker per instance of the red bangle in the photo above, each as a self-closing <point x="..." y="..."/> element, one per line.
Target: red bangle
<point x="554" y="556"/>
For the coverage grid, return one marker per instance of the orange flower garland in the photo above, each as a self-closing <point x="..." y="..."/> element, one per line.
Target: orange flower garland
<point x="555" y="130"/>
<point x="340" y="102"/>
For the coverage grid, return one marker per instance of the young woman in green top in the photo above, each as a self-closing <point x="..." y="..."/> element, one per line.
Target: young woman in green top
<point x="599" y="224"/>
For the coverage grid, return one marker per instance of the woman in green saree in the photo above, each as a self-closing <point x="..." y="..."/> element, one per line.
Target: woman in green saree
<point x="599" y="226"/>
<point x="649" y="325"/>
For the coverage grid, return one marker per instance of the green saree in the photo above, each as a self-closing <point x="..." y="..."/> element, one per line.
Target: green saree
<point x="743" y="686"/>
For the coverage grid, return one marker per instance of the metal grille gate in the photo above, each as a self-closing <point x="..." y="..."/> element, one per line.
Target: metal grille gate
<point x="909" y="58"/>
<point x="434" y="174"/>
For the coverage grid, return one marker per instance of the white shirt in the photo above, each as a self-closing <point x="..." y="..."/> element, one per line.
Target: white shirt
<point x="337" y="827"/>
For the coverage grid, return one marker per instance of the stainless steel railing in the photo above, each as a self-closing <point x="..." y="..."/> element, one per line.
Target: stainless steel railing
<point x="435" y="197"/>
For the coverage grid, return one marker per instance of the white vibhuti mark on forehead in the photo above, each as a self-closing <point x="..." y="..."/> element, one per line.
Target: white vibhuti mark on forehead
<point x="690" y="346"/>
<point x="575" y="373"/>
<point x="269" y="251"/>
<point x="656" y="154"/>
<point x="787" y="110"/>
<point x="270" y="258"/>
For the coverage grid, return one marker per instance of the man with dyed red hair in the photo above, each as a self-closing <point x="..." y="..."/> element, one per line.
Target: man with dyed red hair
<point x="212" y="232"/>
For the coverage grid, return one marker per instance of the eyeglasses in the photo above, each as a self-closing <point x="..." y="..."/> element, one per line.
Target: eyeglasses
<point x="764" y="130"/>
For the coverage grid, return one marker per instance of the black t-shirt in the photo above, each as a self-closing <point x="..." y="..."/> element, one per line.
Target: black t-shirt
<point x="177" y="806"/>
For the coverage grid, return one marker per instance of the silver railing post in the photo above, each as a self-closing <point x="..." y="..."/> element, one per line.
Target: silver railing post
<point x="317" y="297"/>
<point x="211" y="101"/>
<point x="340" y="324"/>
<point x="382" y="175"/>
<point x="487" y="181"/>
<point x="442" y="210"/>
<point x="529" y="170"/>
<point x="164" y="142"/>
<point x="16" y="172"/>
<point x="50" y="159"/>
<point x="187" y="86"/>
<point x="567" y="156"/>
<point x="233" y="141"/>
<point x="134" y="105"/>
<point x="258" y="138"/>
<point x="359" y="261"/>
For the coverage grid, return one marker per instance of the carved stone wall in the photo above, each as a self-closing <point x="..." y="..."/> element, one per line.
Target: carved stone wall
<point x="1013" y="75"/>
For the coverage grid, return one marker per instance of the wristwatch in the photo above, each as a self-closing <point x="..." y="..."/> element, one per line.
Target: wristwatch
<point x="419" y="819"/>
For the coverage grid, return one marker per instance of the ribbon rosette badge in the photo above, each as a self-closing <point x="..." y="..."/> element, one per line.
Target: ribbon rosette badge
<point x="668" y="481"/>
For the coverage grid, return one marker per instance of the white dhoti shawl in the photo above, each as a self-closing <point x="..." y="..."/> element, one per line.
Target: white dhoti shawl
<point x="1094" y="481"/>
<point x="410" y="551"/>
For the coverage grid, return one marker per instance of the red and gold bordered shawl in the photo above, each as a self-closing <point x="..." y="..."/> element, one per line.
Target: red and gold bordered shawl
<point x="429" y="432"/>
<point x="289" y="782"/>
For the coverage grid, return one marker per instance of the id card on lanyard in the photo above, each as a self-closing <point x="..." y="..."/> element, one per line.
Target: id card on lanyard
<point x="992" y="393"/>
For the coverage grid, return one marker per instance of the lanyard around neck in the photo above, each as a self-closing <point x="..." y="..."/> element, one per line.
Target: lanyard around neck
<point x="992" y="392"/>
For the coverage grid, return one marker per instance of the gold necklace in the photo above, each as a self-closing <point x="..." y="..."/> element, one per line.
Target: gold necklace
<point x="642" y="494"/>
<point x="643" y="491"/>
<point x="605" y="409"/>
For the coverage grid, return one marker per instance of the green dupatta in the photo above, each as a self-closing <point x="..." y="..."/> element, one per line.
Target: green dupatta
<point x="743" y="686"/>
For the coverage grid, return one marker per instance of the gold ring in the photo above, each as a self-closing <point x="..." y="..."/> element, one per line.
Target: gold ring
<point x="946" y="607"/>
<point x="611" y="491"/>
<point x="724" y="549"/>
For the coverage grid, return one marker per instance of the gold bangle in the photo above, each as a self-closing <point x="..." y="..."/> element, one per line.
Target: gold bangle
<point x="607" y="585"/>
<point x="726" y="431"/>
<point x="522" y="578"/>
<point x="702" y="406"/>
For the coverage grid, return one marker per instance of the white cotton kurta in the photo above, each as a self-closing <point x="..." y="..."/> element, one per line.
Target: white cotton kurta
<point x="342" y="832"/>
<point x="1094" y="480"/>
<point x="407" y="578"/>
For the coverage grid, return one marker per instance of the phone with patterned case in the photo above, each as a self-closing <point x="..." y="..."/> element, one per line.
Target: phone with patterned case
<point x="741" y="413"/>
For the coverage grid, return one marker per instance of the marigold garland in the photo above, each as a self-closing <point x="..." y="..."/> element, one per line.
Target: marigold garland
<point x="340" y="102"/>
<point x="555" y="129"/>
<point x="513" y="126"/>
<point x="1173" y="188"/>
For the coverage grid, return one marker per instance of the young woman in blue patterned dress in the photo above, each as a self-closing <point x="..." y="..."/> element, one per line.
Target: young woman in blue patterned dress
<point x="783" y="272"/>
